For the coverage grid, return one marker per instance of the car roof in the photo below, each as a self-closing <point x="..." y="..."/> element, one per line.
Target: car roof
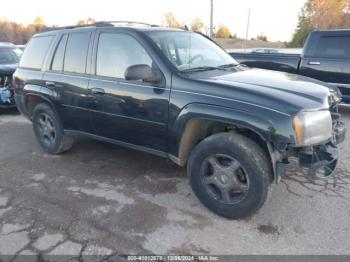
<point x="7" y="45"/>
<point x="332" y="31"/>
<point x="135" y="26"/>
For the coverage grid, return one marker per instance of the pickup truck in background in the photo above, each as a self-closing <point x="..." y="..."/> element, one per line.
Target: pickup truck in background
<point x="326" y="57"/>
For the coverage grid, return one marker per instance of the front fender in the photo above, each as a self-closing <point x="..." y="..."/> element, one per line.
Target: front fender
<point x="271" y="127"/>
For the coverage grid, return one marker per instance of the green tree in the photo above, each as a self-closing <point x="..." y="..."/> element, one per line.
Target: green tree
<point x="262" y="37"/>
<point x="304" y="26"/>
<point x="321" y="14"/>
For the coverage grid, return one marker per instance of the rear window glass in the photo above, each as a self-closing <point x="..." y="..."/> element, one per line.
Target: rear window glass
<point x="34" y="54"/>
<point x="76" y="52"/>
<point x="333" y="47"/>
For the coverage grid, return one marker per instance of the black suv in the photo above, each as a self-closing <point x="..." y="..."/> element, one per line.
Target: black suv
<point x="178" y="95"/>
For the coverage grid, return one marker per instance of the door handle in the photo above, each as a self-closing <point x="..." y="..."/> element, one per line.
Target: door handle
<point x="50" y="84"/>
<point x="314" y="63"/>
<point x="97" y="91"/>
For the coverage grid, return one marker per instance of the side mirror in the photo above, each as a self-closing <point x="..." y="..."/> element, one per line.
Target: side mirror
<point x="144" y="73"/>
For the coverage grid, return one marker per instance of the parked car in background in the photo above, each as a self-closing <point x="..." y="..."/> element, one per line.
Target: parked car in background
<point x="297" y="51"/>
<point x="267" y="50"/>
<point x="9" y="59"/>
<point x="21" y="47"/>
<point x="178" y="95"/>
<point x="326" y="57"/>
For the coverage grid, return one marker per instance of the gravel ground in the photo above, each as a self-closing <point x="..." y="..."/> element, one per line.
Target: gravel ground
<point x="101" y="199"/>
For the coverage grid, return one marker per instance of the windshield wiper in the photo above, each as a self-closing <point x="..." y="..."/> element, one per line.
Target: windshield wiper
<point x="202" y="68"/>
<point x="228" y="65"/>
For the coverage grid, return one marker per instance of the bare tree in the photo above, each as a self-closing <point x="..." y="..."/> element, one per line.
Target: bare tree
<point x="88" y="21"/>
<point x="17" y="33"/>
<point x="171" y="21"/>
<point x="197" y="25"/>
<point x="329" y="14"/>
<point x="223" y="32"/>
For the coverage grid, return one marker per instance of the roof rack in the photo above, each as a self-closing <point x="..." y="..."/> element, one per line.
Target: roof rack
<point x="112" y="23"/>
<point x="99" y="24"/>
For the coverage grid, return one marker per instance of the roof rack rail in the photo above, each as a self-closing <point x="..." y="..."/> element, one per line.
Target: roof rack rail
<point x="64" y="27"/>
<point x="104" y="23"/>
<point x="98" y="24"/>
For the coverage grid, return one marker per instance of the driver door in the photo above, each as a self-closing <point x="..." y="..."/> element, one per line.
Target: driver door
<point x="131" y="112"/>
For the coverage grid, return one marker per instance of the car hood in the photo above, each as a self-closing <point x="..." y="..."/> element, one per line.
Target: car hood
<point x="277" y="90"/>
<point x="8" y="69"/>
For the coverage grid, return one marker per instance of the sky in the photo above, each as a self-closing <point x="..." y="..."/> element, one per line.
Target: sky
<point x="276" y="19"/>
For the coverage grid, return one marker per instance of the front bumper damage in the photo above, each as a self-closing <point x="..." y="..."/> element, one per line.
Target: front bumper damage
<point x="319" y="160"/>
<point x="6" y="92"/>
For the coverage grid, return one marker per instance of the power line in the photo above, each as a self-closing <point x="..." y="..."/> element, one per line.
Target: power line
<point x="248" y="21"/>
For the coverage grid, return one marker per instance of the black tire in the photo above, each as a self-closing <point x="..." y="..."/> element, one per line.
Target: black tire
<point x="50" y="136"/>
<point x="225" y="151"/>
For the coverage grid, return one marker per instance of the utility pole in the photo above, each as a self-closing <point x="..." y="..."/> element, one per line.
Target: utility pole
<point x="248" y="21"/>
<point x="211" y="29"/>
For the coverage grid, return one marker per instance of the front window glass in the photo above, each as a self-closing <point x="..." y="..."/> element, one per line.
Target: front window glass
<point x="116" y="52"/>
<point x="188" y="50"/>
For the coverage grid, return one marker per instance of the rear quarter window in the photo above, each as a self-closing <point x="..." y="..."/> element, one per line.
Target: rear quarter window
<point x="35" y="52"/>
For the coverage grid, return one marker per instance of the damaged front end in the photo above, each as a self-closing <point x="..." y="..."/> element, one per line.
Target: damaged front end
<point x="6" y="91"/>
<point x="321" y="159"/>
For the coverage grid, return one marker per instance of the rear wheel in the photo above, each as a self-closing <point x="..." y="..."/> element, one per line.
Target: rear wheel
<point x="49" y="131"/>
<point x="229" y="173"/>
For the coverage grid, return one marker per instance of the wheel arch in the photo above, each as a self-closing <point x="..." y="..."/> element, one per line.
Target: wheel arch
<point x="34" y="95"/>
<point x="198" y="121"/>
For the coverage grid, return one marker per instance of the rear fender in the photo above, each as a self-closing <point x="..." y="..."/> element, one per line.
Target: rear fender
<point x="43" y="93"/>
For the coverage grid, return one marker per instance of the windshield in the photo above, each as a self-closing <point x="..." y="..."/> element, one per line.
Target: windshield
<point x="9" y="56"/>
<point x="188" y="50"/>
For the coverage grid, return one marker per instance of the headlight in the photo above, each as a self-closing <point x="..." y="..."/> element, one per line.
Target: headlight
<point x="312" y="127"/>
<point x="334" y="96"/>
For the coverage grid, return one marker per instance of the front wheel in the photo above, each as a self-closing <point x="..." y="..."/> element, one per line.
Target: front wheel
<point x="230" y="175"/>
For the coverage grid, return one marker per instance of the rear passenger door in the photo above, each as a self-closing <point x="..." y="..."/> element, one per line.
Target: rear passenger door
<point x="133" y="112"/>
<point x="68" y="75"/>
<point x="328" y="61"/>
